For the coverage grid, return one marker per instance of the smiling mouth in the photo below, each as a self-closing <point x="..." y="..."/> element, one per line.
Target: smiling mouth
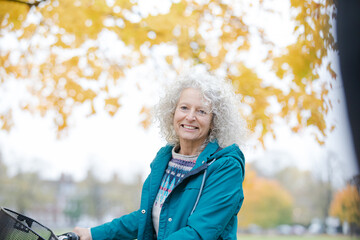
<point x="189" y="127"/>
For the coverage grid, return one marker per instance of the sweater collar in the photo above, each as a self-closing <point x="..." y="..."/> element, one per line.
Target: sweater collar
<point x="165" y="155"/>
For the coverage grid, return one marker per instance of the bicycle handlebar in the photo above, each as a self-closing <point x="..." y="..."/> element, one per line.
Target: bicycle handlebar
<point x="69" y="236"/>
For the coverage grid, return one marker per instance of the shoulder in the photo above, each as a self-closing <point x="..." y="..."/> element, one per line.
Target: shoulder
<point x="230" y="153"/>
<point x="230" y="158"/>
<point x="162" y="155"/>
<point x="165" y="150"/>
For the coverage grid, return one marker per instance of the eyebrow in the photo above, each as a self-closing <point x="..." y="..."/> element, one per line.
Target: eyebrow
<point x="204" y="106"/>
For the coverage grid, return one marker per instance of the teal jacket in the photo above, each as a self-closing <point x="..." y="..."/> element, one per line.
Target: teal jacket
<point x="215" y="209"/>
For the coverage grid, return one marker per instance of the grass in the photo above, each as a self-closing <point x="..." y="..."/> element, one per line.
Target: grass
<point x="267" y="237"/>
<point x="276" y="237"/>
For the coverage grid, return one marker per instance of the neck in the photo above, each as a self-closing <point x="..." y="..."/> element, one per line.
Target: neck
<point x="190" y="148"/>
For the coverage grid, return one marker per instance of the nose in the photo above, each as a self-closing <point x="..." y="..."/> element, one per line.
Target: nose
<point x="190" y="116"/>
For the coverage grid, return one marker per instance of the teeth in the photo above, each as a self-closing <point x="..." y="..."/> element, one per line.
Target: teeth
<point x="188" y="127"/>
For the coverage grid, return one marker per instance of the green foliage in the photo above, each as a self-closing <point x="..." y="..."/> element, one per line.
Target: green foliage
<point x="74" y="210"/>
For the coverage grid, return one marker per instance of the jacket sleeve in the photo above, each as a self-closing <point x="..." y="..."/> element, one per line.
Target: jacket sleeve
<point x="125" y="227"/>
<point x="221" y="200"/>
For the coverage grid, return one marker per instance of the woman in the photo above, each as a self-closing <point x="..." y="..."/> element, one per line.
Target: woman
<point x="194" y="190"/>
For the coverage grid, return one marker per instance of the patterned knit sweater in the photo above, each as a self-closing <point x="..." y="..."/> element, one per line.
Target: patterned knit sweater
<point x="178" y="166"/>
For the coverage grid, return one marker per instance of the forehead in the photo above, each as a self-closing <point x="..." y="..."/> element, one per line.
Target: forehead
<point x="193" y="96"/>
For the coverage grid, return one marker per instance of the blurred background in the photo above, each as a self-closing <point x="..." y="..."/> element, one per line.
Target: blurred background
<point x="78" y="80"/>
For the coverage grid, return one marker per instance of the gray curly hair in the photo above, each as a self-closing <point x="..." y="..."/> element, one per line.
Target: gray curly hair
<point x="227" y="125"/>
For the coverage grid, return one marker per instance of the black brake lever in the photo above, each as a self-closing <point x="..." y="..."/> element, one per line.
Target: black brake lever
<point x="69" y="236"/>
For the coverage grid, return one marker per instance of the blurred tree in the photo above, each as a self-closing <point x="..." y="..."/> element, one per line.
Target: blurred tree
<point x="310" y="194"/>
<point x="74" y="210"/>
<point x="4" y="182"/>
<point x="27" y="192"/>
<point x="64" y="60"/>
<point x="68" y="199"/>
<point x="91" y="195"/>
<point x="312" y="190"/>
<point x="346" y="206"/>
<point x="327" y="182"/>
<point x="301" y="186"/>
<point x="122" y="197"/>
<point x="267" y="203"/>
<point x="3" y="170"/>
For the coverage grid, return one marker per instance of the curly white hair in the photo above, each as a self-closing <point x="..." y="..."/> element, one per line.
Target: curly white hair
<point x="228" y="127"/>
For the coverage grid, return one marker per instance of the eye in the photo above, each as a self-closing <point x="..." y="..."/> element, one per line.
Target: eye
<point x="183" y="108"/>
<point x="202" y="112"/>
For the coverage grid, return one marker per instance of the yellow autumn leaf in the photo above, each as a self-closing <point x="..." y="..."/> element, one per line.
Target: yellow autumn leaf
<point x="145" y="113"/>
<point x="112" y="105"/>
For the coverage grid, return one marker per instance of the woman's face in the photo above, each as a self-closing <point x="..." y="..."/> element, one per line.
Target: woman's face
<point x="192" y="118"/>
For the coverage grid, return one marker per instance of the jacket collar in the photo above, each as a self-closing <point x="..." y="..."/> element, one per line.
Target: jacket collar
<point x="164" y="155"/>
<point x="207" y="153"/>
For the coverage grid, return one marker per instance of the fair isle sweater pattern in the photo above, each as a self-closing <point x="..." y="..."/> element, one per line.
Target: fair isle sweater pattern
<point x="178" y="166"/>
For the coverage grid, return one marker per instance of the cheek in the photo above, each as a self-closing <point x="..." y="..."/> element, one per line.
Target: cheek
<point x="175" y="117"/>
<point x="209" y="123"/>
<point x="178" y="116"/>
<point x="175" y="120"/>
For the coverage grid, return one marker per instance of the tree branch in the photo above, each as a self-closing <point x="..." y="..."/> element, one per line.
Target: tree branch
<point x="30" y="4"/>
